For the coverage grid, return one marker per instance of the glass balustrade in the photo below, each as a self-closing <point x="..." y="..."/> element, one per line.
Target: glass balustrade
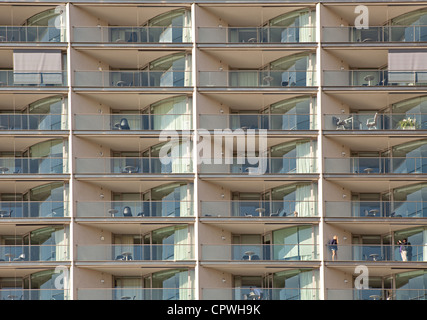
<point x="285" y="34"/>
<point x="32" y="34"/>
<point x="9" y="78"/>
<point x="133" y="34"/>
<point x="396" y="33"/>
<point x="373" y="165"/>
<point x="131" y="165"/>
<point x="376" y="294"/>
<point x="261" y="252"/>
<point x="378" y="209"/>
<point x="33" y="294"/>
<point x="252" y="208"/>
<point x="135" y="78"/>
<point x="133" y="121"/>
<point x="259" y="165"/>
<point x="136" y="252"/>
<point x="258" y="121"/>
<point x="135" y="293"/>
<point x="33" y="209"/>
<point x="373" y="78"/>
<point x="33" y="253"/>
<point x="376" y="121"/>
<point x="33" y="121"/>
<point x="126" y="209"/>
<point x="264" y="294"/>
<point x="256" y="78"/>
<point x="377" y="253"/>
<point x="48" y="165"/>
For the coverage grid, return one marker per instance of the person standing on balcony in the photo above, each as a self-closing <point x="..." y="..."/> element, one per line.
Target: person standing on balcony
<point x="403" y="249"/>
<point x="333" y="246"/>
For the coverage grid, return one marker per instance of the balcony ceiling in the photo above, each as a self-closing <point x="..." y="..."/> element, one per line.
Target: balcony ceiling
<point x="363" y="100"/>
<point x="16" y="15"/>
<point x="132" y="269"/>
<point x="249" y="58"/>
<point x="366" y="58"/>
<point x="244" y="16"/>
<point x="378" y="14"/>
<point x="366" y="185"/>
<point x="245" y="184"/>
<point x="123" y="58"/>
<point x="20" y="143"/>
<point x="19" y="186"/>
<point x="371" y="228"/>
<point x="10" y="101"/>
<point x="376" y="269"/>
<point x="123" y="15"/>
<point x="126" y="101"/>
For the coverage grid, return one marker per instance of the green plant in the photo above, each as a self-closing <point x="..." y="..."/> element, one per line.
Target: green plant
<point x="408" y="122"/>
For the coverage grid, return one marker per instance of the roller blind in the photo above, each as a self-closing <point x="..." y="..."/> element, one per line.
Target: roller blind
<point x="37" y="66"/>
<point x="407" y="65"/>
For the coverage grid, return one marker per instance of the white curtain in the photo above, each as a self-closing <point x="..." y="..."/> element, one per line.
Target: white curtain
<point x="185" y="201"/>
<point x="61" y="247"/>
<point x="184" y="287"/>
<point x="186" y="32"/>
<point x="304" y="162"/>
<point x="305" y="201"/>
<point x="306" y="285"/>
<point x="180" y="154"/>
<point x="305" y="30"/>
<point x="424" y="249"/>
<point x="181" y="244"/>
<point x="172" y="115"/>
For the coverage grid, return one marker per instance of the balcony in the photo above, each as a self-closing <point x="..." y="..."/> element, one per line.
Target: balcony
<point x="376" y="294"/>
<point x="25" y="122"/>
<point x="33" y="294"/>
<point x="132" y="34"/>
<point x="9" y="78"/>
<point x="376" y="121"/>
<point x="265" y="294"/>
<point x="378" y="253"/>
<point x="136" y="294"/>
<point x="37" y="34"/>
<point x="132" y="79"/>
<point x="291" y="122"/>
<point x="261" y="209"/>
<point x="259" y="165"/>
<point x="373" y="78"/>
<point x="33" y="209"/>
<point x="257" y="79"/>
<point x="33" y="253"/>
<point x="381" y="34"/>
<point x="127" y="209"/>
<point x="376" y="209"/>
<point x="373" y="165"/>
<point x="133" y="122"/>
<point x="25" y="166"/>
<point x="130" y="165"/>
<point x="247" y="253"/>
<point x="257" y="35"/>
<point x="135" y="252"/>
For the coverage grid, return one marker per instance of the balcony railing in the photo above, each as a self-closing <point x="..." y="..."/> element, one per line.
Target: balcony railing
<point x="48" y="165"/>
<point x="257" y="34"/>
<point x="133" y="122"/>
<point x="132" y="78"/>
<point x="378" y="253"/>
<point x="33" y="253"/>
<point x="126" y="209"/>
<point x="376" y="209"/>
<point x="373" y="165"/>
<point x="253" y="208"/>
<point x="373" y="78"/>
<point x="135" y="293"/>
<point x="18" y="122"/>
<point x="257" y="79"/>
<point x="259" y="165"/>
<point x="133" y="34"/>
<point x="258" y="121"/>
<point x="260" y="252"/>
<point x="376" y="121"/>
<point x="263" y="294"/>
<point x="414" y="33"/>
<point x="30" y="79"/>
<point x="136" y="252"/>
<point x="32" y="34"/>
<point x="33" y="294"/>
<point x="376" y="294"/>
<point x="130" y="165"/>
<point x="33" y="209"/>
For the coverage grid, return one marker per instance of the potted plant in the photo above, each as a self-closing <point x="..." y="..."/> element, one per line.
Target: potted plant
<point x="407" y="124"/>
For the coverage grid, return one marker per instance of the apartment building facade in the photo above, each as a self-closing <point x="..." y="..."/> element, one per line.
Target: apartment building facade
<point x="96" y="96"/>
